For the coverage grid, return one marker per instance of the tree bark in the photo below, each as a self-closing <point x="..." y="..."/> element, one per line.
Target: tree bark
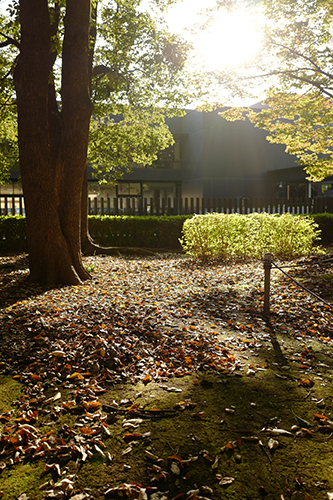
<point x="52" y="143"/>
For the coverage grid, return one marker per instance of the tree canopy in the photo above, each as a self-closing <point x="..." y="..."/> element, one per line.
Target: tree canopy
<point x="295" y="68"/>
<point x="139" y="72"/>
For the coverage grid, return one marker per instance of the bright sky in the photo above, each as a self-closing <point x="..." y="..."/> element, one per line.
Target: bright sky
<point x="231" y="40"/>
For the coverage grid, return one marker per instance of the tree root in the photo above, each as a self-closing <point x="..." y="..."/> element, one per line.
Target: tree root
<point x="89" y="247"/>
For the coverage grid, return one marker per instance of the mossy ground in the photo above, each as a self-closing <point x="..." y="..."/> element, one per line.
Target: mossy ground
<point x="10" y="390"/>
<point x="257" y="401"/>
<point x="262" y="400"/>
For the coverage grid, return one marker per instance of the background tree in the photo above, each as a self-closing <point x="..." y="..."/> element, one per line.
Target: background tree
<point x="8" y="129"/>
<point x="134" y="65"/>
<point x="295" y="67"/>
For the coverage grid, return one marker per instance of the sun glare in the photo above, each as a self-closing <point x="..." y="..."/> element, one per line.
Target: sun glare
<point x="231" y="41"/>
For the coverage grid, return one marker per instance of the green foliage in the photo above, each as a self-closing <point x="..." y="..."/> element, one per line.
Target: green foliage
<point x="129" y="231"/>
<point x="8" y="149"/>
<point x="244" y="235"/>
<point x="90" y="267"/>
<point x="302" y="122"/>
<point x="115" y="146"/>
<point x="8" y="128"/>
<point x="325" y="224"/>
<point x="13" y="236"/>
<point x="223" y="236"/>
<point x="132" y="231"/>
<point x="138" y="79"/>
<point x="139" y="69"/>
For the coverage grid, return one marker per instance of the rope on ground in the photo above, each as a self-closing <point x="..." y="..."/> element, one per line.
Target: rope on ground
<point x="303" y="287"/>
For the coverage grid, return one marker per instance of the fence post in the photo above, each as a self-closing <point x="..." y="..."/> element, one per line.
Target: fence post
<point x="267" y="268"/>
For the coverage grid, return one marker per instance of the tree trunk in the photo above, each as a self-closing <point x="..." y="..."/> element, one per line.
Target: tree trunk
<point x="53" y="144"/>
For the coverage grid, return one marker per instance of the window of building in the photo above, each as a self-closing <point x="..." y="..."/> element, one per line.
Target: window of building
<point x="129" y="189"/>
<point x="170" y="157"/>
<point x="102" y="190"/>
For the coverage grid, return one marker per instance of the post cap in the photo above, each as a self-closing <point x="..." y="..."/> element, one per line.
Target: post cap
<point x="268" y="257"/>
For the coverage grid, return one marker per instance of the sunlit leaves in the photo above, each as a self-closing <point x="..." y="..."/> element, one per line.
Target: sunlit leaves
<point x="228" y="236"/>
<point x="138" y="67"/>
<point x="117" y="145"/>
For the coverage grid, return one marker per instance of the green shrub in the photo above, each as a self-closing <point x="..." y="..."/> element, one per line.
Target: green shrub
<point x="13" y="237"/>
<point x="127" y="231"/>
<point x="325" y="223"/>
<point x="222" y="236"/>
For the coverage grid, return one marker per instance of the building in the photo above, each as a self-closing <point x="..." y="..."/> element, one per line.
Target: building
<point x="213" y="158"/>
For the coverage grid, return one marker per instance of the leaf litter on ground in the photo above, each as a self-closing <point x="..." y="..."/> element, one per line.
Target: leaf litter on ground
<point x="145" y="324"/>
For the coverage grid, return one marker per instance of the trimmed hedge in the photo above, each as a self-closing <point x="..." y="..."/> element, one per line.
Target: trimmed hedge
<point x="125" y="231"/>
<point x="147" y="232"/>
<point x="133" y="231"/>
<point x="13" y="236"/>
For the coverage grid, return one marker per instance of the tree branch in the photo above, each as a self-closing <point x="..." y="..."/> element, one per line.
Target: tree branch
<point x="7" y="74"/>
<point x="306" y="58"/>
<point x="9" y="41"/>
<point x="105" y="70"/>
<point x="315" y="84"/>
<point x="292" y="74"/>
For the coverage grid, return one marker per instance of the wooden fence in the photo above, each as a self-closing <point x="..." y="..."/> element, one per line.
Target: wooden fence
<point x="14" y="205"/>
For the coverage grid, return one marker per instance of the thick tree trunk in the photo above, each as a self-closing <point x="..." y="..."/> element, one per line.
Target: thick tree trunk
<point x="53" y="145"/>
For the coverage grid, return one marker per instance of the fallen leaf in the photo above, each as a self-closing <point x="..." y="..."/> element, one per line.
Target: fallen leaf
<point x="133" y="435"/>
<point x="306" y="382"/>
<point x="175" y="457"/>
<point x="175" y="468"/>
<point x="302" y="422"/>
<point x="55" y="467"/>
<point x="273" y="444"/>
<point x="320" y="417"/>
<point x="225" y="481"/>
<point x="281" y="432"/>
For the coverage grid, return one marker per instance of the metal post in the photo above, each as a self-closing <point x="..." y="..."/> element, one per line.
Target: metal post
<point x="267" y="267"/>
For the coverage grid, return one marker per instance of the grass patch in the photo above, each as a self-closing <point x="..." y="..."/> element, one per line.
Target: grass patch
<point x="10" y="390"/>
